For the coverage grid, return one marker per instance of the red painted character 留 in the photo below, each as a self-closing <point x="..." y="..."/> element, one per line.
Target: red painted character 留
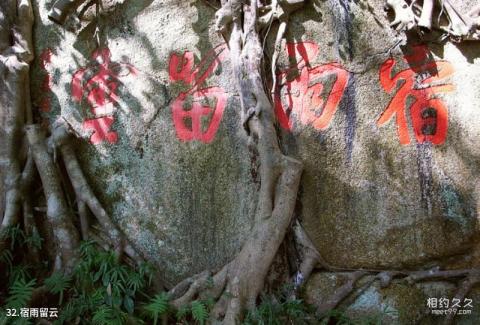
<point x="197" y="113"/>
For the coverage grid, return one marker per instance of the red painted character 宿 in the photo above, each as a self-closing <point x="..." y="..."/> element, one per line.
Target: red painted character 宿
<point x="422" y="82"/>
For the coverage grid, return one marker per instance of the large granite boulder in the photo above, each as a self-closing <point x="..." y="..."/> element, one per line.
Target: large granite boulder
<point x="390" y="174"/>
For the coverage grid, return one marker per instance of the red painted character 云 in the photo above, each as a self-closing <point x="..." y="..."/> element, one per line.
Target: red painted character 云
<point x="98" y="84"/>
<point x="45" y="64"/>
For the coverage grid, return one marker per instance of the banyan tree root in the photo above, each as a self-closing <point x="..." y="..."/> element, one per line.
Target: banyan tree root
<point x="462" y="26"/>
<point x="278" y="10"/>
<point x="16" y="53"/>
<point x="59" y="214"/>
<point x="62" y="140"/>
<point x="467" y="279"/>
<point x="62" y="8"/>
<point x="237" y="285"/>
<point x="26" y="150"/>
<point x="312" y="259"/>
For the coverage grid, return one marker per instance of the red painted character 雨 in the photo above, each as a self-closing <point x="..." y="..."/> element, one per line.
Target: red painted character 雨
<point x="305" y="98"/>
<point x="197" y="113"/>
<point x="98" y="84"/>
<point x="421" y="82"/>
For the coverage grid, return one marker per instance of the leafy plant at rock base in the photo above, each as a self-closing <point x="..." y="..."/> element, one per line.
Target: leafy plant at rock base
<point x="157" y="307"/>
<point x="101" y="290"/>
<point x="20" y="293"/>
<point x="57" y="283"/>
<point x="199" y="311"/>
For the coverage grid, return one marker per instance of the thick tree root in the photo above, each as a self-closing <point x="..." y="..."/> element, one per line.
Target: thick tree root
<point x="238" y="284"/>
<point x="85" y="196"/>
<point x="24" y="155"/>
<point x="462" y="26"/>
<point x="16" y="53"/>
<point x="59" y="214"/>
<point x="469" y="277"/>
<point x="312" y="259"/>
<point x="62" y="8"/>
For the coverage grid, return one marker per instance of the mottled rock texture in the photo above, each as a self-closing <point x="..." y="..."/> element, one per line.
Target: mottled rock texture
<point x="366" y="199"/>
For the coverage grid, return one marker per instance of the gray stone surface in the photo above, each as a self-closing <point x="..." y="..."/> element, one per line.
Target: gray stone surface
<point x="399" y="303"/>
<point x="366" y="200"/>
<point x="185" y="205"/>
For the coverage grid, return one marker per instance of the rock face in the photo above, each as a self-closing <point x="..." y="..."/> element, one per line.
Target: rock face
<point x="182" y="192"/>
<point x="385" y="184"/>
<point x="399" y="303"/>
<point x="389" y="135"/>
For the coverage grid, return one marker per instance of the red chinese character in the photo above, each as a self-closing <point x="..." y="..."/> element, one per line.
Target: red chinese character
<point x="45" y="61"/>
<point x="422" y="82"/>
<point x="98" y="83"/>
<point x="45" y="58"/>
<point x="101" y="130"/>
<point x="305" y="96"/>
<point x="198" y="106"/>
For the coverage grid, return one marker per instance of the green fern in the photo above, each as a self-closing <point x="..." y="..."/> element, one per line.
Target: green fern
<point x="20" y="293"/>
<point x="7" y="258"/>
<point x="74" y="308"/>
<point x="280" y="309"/>
<point x="57" y="283"/>
<point x="87" y="249"/>
<point x="15" y="234"/>
<point x="101" y="290"/>
<point x="199" y="311"/>
<point x="107" y="315"/>
<point x="295" y="309"/>
<point x="146" y="270"/>
<point x="135" y="281"/>
<point x="19" y="272"/>
<point x="158" y="306"/>
<point x="182" y="312"/>
<point x="34" y="240"/>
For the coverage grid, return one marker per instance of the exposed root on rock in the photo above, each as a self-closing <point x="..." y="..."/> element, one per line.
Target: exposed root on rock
<point x="16" y="169"/>
<point x="311" y="259"/>
<point x="461" y="26"/>
<point x="59" y="214"/>
<point x="28" y="152"/>
<point x="62" y="8"/>
<point x="238" y="284"/>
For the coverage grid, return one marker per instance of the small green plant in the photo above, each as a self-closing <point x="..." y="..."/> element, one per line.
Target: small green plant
<point x="199" y="311"/>
<point x="157" y="307"/>
<point x="103" y="290"/>
<point x="20" y="293"/>
<point x="15" y="235"/>
<point x="6" y="258"/>
<point x="280" y="308"/>
<point x="107" y="315"/>
<point x="57" y="283"/>
<point x="100" y="290"/>
<point x="34" y="240"/>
